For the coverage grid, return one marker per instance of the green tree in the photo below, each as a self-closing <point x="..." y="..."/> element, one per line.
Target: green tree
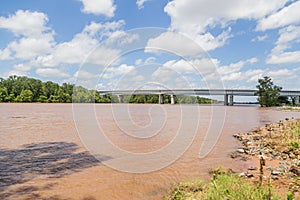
<point x="25" y="96"/>
<point x="268" y="93"/>
<point x="3" y="94"/>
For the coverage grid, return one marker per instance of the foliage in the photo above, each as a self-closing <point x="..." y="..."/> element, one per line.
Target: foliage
<point x="268" y="93"/>
<point x="293" y="146"/>
<point x="222" y="186"/>
<point x="152" y="98"/>
<point x="24" y="89"/>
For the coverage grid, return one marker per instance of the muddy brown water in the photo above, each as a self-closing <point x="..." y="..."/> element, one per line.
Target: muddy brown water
<point x="43" y="157"/>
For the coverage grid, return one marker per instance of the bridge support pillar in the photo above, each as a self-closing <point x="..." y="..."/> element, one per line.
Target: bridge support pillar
<point x="226" y="100"/>
<point x="120" y="98"/>
<point x="173" y="99"/>
<point x="231" y="100"/>
<point x="297" y="100"/>
<point x="161" y="99"/>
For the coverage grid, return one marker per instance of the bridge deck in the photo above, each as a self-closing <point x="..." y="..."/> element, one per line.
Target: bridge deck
<point x="207" y="92"/>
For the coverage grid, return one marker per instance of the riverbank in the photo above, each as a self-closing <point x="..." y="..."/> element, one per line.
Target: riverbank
<point x="274" y="151"/>
<point x="278" y="144"/>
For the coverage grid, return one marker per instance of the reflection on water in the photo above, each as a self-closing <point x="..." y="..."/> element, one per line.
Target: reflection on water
<point x="41" y="155"/>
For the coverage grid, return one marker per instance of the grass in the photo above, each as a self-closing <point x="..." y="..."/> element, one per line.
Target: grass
<point x="223" y="186"/>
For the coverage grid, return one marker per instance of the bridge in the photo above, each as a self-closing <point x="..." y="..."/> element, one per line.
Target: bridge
<point x="228" y="93"/>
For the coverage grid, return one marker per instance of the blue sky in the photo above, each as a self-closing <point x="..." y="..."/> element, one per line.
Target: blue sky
<point x="107" y="44"/>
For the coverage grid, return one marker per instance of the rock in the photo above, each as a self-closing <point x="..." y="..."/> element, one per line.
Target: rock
<point x="242" y="174"/>
<point x="269" y="168"/>
<point x="276" y="173"/>
<point x="256" y="137"/>
<point x="295" y="170"/>
<point x="249" y="175"/>
<point x="292" y="156"/>
<point x="252" y="168"/>
<point x="274" y="177"/>
<point x="241" y="150"/>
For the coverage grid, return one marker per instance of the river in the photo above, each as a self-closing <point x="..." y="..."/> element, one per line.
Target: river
<point x="43" y="147"/>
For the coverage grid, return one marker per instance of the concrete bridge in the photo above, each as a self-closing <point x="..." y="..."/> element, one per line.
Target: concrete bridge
<point x="228" y="93"/>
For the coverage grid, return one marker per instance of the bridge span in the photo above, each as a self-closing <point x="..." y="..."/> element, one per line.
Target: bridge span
<point x="227" y="93"/>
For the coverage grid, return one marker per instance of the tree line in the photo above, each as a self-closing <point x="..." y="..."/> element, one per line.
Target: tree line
<point x="24" y="89"/>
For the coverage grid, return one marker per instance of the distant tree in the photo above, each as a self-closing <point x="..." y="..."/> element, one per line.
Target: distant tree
<point x="42" y="99"/>
<point x="3" y="94"/>
<point x="25" y="96"/>
<point x="268" y="93"/>
<point x="283" y="100"/>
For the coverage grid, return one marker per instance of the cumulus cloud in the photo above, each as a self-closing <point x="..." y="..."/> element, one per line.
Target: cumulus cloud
<point x="29" y="48"/>
<point x="122" y="70"/>
<point x="5" y="54"/>
<point x="235" y="67"/>
<point x="175" y="43"/>
<point x="197" y="16"/>
<point x="26" y="23"/>
<point x="35" y="37"/>
<point x="286" y="16"/>
<point x="282" y="52"/>
<point x="84" y="46"/>
<point x="99" y="7"/>
<point x="51" y="72"/>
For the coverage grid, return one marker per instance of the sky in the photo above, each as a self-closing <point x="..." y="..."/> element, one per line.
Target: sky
<point x="117" y="44"/>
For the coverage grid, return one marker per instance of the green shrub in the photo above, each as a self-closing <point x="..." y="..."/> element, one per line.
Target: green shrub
<point x="223" y="186"/>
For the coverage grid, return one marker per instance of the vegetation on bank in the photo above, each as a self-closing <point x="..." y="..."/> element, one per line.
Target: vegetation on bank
<point x="269" y="94"/>
<point x="24" y="89"/>
<point x="224" y="185"/>
<point x="278" y="141"/>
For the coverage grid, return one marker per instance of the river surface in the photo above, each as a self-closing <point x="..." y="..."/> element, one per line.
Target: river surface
<point x="44" y="148"/>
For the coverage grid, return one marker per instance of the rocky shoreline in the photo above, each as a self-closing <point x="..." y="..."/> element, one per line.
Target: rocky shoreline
<point x="278" y="145"/>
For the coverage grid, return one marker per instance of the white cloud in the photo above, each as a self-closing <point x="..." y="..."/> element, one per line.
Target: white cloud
<point x="235" y="67"/>
<point x="253" y="75"/>
<point x="5" y="54"/>
<point x="140" y="3"/>
<point x="99" y="7"/>
<point x="83" y="44"/>
<point x="15" y="72"/>
<point x="82" y="74"/>
<point x="22" y="67"/>
<point x="122" y="70"/>
<point x="51" y="72"/>
<point x="104" y="56"/>
<point x="209" y="42"/>
<point x="35" y="37"/>
<point x="286" y="16"/>
<point x="280" y="53"/>
<point x="260" y="38"/>
<point x="285" y="57"/>
<point x="233" y="72"/>
<point x="26" y="23"/>
<point x="175" y="43"/>
<point x="282" y="73"/>
<point x="29" y="48"/>
<point x="196" y="16"/>
<point x="147" y="61"/>
<point x="196" y="66"/>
